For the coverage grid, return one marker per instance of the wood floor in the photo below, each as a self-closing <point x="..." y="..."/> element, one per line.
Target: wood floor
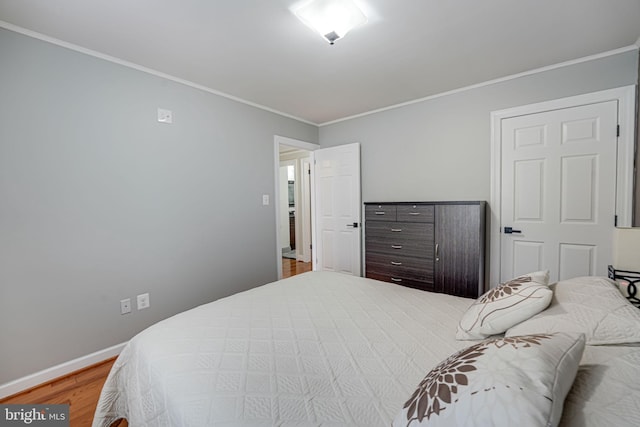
<point x="81" y="389"/>
<point x="291" y="267"/>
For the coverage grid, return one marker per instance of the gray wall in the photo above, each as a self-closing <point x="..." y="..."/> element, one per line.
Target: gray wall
<point x="99" y="202"/>
<point x="439" y="149"/>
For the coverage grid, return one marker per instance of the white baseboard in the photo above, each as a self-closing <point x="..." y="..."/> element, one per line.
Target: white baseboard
<point x="62" y="369"/>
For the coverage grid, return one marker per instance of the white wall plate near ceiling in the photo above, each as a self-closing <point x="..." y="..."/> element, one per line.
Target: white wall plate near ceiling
<point x="165" y="116"/>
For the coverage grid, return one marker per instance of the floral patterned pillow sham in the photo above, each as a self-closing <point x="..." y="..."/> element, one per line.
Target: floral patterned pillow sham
<point x="505" y="306"/>
<point x="593" y="306"/>
<point x="513" y="381"/>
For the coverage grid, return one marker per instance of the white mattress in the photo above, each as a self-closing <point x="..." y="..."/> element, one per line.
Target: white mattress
<point x="320" y="349"/>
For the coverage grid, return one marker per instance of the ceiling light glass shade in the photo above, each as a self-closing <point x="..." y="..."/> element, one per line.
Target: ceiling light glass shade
<point x="332" y="19"/>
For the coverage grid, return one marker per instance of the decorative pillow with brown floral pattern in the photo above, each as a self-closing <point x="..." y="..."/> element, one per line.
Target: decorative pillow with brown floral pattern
<point x="505" y="305"/>
<point x="515" y="381"/>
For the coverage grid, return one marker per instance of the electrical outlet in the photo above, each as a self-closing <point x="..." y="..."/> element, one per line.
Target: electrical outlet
<point x="125" y="306"/>
<point x="265" y="199"/>
<point x="143" y="301"/>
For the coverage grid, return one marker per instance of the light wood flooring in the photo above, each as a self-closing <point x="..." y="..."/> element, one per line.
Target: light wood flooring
<point x="81" y="389"/>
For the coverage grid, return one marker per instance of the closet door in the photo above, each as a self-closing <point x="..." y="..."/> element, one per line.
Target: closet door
<point x="459" y="244"/>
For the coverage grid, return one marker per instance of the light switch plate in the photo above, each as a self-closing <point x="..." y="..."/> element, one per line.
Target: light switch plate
<point x="125" y="306"/>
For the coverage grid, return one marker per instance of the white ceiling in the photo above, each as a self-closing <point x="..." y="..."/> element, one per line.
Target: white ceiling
<point x="258" y="51"/>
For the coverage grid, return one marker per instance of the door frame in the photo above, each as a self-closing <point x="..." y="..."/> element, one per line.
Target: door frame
<point x="624" y="181"/>
<point x="277" y="140"/>
<point x="306" y="203"/>
<point x="284" y="164"/>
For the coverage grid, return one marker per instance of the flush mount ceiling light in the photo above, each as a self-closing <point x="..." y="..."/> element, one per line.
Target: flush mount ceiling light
<point x="332" y="19"/>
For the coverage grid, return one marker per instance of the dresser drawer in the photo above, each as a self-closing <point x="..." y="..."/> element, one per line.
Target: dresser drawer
<point x="401" y="266"/>
<point x="401" y="239"/>
<point x="398" y="230"/>
<point x="380" y="212"/>
<point x="416" y="213"/>
<point x="417" y="284"/>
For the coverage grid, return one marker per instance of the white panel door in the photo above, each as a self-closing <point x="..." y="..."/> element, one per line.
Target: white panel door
<point x="558" y="191"/>
<point x="338" y="209"/>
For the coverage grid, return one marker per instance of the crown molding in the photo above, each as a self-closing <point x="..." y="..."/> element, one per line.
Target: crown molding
<point x="128" y="64"/>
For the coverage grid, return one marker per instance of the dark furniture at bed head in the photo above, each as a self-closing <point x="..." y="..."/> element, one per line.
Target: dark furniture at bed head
<point x="633" y="279"/>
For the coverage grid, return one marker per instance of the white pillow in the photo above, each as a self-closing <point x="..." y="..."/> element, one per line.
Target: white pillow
<point x="505" y="305"/>
<point x="516" y="381"/>
<point x="593" y="306"/>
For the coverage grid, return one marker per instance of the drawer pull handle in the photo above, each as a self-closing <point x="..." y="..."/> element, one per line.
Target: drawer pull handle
<point x="393" y="279"/>
<point x="395" y="263"/>
<point x="414" y="213"/>
<point x="396" y="230"/>
<point x="396" y="246"/>
<point x="379" y="213"/>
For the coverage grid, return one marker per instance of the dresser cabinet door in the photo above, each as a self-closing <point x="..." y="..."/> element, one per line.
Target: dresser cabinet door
<point x="459" y="258"/>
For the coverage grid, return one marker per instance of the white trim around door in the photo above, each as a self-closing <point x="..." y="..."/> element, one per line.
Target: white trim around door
<point x="277" y="140"/>
<point x="625" y="96"/>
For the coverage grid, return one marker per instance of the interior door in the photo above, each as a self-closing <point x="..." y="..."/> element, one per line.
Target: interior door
<point x="558" y="191"/>
<point x="338" y="209"/>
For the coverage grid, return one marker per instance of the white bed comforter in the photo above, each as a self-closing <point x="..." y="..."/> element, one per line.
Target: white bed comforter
<point x="320" y="349"/>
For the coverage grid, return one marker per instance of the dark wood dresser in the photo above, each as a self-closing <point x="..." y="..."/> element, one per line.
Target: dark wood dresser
<point x="433" y="246"/>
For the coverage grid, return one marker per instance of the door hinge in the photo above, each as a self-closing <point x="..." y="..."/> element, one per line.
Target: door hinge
<point x="310" y="246"/>
<point x="618" y="130"/>
<point x="615" y="221"/>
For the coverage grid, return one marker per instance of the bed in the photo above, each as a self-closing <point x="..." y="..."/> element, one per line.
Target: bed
<point x="328" y="349"/>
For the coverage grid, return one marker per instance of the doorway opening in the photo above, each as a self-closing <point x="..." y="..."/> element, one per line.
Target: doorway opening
<point x="327" y="206"/>
<point x="294" y="202"/>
